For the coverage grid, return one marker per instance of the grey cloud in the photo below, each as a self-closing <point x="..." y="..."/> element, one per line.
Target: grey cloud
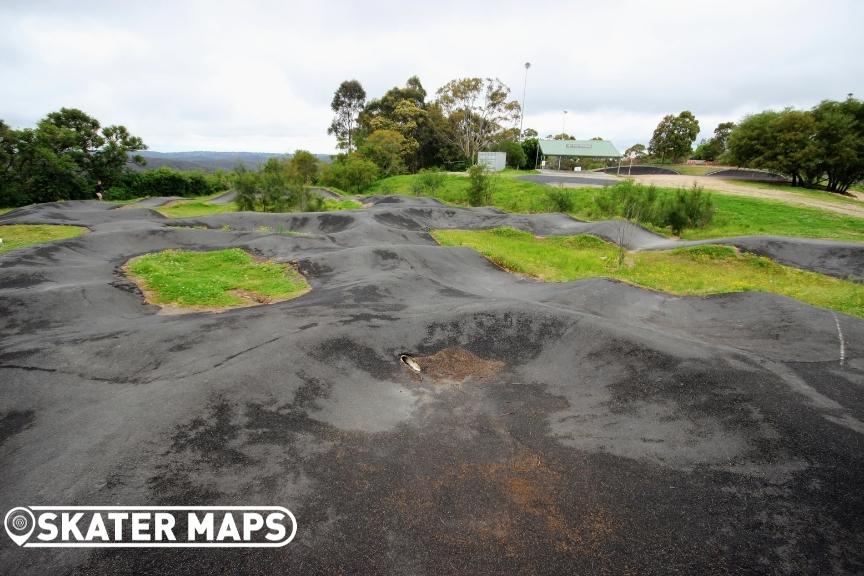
<point x="259" y="74"/>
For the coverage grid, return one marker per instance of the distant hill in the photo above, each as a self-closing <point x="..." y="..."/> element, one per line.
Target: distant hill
<point x="210" y="161"/>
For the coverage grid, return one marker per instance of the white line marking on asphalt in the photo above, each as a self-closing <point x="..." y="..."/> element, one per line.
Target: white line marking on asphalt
<point x="842" y="342"/>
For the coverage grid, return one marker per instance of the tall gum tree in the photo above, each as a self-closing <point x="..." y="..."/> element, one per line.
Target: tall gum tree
<point x="478" y="110"/>
<point x="348" y="100"/>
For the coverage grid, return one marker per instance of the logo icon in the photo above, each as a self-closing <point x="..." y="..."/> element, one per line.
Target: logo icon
<point x="150" y="526"/>
<point x="19" y="524"/>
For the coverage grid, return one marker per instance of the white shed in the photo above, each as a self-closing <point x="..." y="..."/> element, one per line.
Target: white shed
<point x="495" y="161"/>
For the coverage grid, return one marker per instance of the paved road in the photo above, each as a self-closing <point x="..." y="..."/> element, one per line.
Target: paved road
<point x="587" y="427"/>
<point x="572" y="178"/>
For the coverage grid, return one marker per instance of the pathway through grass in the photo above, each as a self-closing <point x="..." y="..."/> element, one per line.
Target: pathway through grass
<point x="698" y="270"/>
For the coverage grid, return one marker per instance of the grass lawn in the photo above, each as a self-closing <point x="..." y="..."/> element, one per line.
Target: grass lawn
<point x="343" y="204"/>
<point x="217" y="279"/>
<point x="194" y="208"/>
<point x="699" y="270"/>
<point x="21" y="235"/>
<point x="4" y="210"/>
<point x="741" y="216"/>
<point x="735" y="215"/>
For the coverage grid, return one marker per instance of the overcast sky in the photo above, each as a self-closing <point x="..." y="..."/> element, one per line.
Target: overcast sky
<point x="259" y="76"/>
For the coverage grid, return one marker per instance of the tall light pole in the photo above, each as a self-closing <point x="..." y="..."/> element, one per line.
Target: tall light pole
<point x="524" y="86"/>
<point x="563" y="132"/>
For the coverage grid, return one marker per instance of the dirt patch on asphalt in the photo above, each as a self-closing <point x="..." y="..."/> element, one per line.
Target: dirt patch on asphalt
<point x="251" y="297"/>
<point x="531" y="496"/>
<point x="737" y="189"/>
<point x="457" y="364"/>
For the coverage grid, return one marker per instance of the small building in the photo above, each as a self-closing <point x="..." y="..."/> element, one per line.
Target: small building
<point x="495" y="161"/>
<point x="593" y="149"/>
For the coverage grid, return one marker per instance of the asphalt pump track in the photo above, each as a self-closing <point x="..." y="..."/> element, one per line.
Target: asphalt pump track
<point x="553" y="428"/>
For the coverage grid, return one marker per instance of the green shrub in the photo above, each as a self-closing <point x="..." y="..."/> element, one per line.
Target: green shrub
<point x="697" y="205"/>
<point x="560" y="199"/>
<point x="117" y="193"/>
<point x="427" y="181"/>
<point x="480" y="186"/>
<point x="507" y="232"/>
<point x="166" y="181"/>
<point x="515" y="154"/>
<point x="246" y="186"/>
<point x="685" y="208"/>
<point x="353" y="173"/>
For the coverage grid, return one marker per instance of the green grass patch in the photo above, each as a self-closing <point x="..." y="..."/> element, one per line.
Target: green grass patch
<point x="742" y="216"/>
<point x="194" y="208"/>
<point x="734" y="216"/>
<point x="217" y="279"/>
<point x="5" y="210"/>
<point x="700" y="270"/>
<point x="341" y="204"/>
<point x="16" y="236"/>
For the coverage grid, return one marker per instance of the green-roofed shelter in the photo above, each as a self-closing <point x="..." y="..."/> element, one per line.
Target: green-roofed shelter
<point x="579" y="148"/>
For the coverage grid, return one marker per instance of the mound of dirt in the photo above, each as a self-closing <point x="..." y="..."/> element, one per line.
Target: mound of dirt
<point x="457" y="364"/>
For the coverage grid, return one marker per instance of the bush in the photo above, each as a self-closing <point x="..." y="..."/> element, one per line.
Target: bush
<point x="685" y="208"/>
<point x="516" y="157"/>
<point x="276" y="187"/>
<point x="166" y="181"/>
<point x="427" y="181"/>
<point x="480" y="186"/>
<point x="246" y="186"/>
<point x="354" y="173"/>
<point x="117" y="193"/>
<point x="698" y="206"/>
<point x="560" y="199"/>
<point x="691" y="208"/>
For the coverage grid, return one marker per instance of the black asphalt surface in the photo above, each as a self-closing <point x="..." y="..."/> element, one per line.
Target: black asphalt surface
<point x="747" y="174"/>
<point x="580" y="180"/>
<point x="595" y="427"/>
<point x="638" y="170"/>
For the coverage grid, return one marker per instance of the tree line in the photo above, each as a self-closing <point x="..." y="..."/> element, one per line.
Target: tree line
<point x="822" y="147"/>
<point x="69" y="155"/>
<point x="405" y="131"/>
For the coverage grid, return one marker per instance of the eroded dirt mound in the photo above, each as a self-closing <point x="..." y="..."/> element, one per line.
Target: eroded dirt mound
<point x="457" y="364"/>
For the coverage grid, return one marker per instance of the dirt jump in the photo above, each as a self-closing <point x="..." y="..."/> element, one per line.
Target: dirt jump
<point x="550" y="428"/>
